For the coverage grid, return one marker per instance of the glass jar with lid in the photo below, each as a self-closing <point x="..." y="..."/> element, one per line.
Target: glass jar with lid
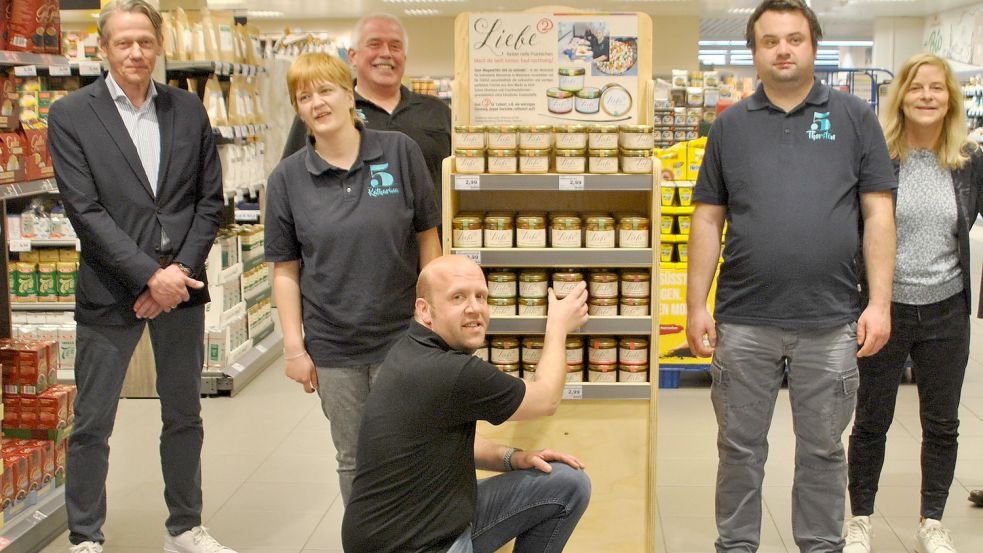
<point x="564" y="281"/>
<point x="501" y="283"/>
<point x="504" y="350"/>
<point x="559" y="101"/>
<point x="534" y="161"/>
<point x="600" y="231"/>
<point x="636" y="137"/>
<point x="636" y="162"/>
<point x="572" y="78"/>
<point x="533" y="283"/>
<point x="469" y="162"/>
<point x="575" y="350"/>
<point x="634" y="307"/>
<point x="571" y="162"/>
<point x="535" y="137"/>
<point x="587" y="100"/>
<point x="633" y="373"/>
<point x="633" y="231"/>
<point x="469" y="137"/>
<point x="570" y="137"/>
<point x="501" y="307"/>
<point x="603" y="284"/>
<point x="502" y="162"/>
<point x="467" y="230"/>
<point x="498" y="230"/>
<point x="633" y="350"/>
<point x="635" y="284"/>
<point x="602" y="137"/>
<point x="565" y="232"/>
<point x="532" y="307"/>
<point x="602" y="350"/>
<point x="530" y="230"/>
<point x="532" y="349"/>
<point x="602" y="307"/>
<point x="502" y="137"/>
<point x="602" y="161"/>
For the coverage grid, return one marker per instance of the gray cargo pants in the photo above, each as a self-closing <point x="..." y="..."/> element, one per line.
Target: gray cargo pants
<point x="822" y="381"/>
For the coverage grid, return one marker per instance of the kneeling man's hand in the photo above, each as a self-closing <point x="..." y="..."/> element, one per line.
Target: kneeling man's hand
<point x="540" y="460"/>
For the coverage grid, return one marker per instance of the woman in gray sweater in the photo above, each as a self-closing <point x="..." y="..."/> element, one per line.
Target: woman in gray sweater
<point x="940" y="176"/>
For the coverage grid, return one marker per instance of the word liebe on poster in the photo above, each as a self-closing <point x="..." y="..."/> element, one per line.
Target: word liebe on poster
<point x="553" y="69"/>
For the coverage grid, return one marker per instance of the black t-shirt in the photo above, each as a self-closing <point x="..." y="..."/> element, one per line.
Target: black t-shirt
<point x="791" y="183"/>
<point x="355" y="234"/>
<point x="424" y="118"/>
<point x="415" y="487"/>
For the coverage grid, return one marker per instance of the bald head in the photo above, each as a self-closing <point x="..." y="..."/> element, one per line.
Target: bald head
<point x="452" y="300"/>
<point x="440" y="272"/>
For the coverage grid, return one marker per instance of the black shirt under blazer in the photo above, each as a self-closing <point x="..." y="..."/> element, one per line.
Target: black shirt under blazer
<point x="111" y="204"/>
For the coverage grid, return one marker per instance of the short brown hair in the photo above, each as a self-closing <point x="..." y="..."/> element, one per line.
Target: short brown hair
<point x="785" y="6"/>
<point x="316" y="67"/>
<point x="129" y="6"/>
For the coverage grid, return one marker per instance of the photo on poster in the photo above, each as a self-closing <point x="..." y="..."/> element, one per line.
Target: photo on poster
<point x="621" y="58"/>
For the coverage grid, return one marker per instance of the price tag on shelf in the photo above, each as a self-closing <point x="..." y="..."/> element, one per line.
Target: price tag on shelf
<point x="262" y="349"/>
<point x="573" y="391"/>
<point x="78" y="245"/>
<point x="59" y="70"/>
<point x="89" y="68"/>
<point x="226" y="132"/>
<point x="571" y="182"/>
<point x="20" y="245"/>
<point x="26" y="71"/>
<point x="243" y="131"/>
<point x="236" y="368"/>
<point x="467" y="182"/>
<point x="473" y="255"/>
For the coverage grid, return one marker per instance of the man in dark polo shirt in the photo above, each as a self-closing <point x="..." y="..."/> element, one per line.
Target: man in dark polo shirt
<point x="795" y="170"/>
<point x="378" y="55"/>
<point x="415" y="488"/>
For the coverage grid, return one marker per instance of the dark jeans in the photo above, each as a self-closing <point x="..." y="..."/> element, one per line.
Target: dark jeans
<point x="539" y="510"/>
<point x="937" y="338"/>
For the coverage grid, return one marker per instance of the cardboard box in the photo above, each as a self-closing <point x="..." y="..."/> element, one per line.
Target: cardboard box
<point x="9" y="104"/>
<point x="37" y="164"/>
<point x="53" y="409"/>
<point x="11" y="158"/>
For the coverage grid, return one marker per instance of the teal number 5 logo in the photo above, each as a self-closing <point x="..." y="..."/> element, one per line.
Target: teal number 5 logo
<point x="381" y="177"/>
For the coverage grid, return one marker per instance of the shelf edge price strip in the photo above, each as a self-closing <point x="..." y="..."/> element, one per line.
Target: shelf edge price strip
<point x="571" y="182"/>
<point x="59" y="70"/>
<point x="89" y="68"/>
<point x="467" y="182"/>
<point x="20" y="245"/>
<point x="473" y="255"/>
<point x="26" y="71"/>
<point x="573" y="391"/>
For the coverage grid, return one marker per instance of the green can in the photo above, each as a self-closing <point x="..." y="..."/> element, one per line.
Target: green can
<point x="26" y="285"/>
<point x="67" y="277"/>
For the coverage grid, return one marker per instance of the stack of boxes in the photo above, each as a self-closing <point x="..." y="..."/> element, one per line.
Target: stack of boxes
<point x="24" y="154"/>
<point x="256" y="282"/>
<point x="37" y="417"/>
<point x="46" y="275"/>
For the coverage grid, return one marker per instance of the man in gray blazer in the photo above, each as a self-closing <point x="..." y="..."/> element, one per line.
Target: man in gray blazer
<point x="137" y="169"/>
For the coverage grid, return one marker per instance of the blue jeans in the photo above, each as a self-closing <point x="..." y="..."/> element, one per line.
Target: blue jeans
<point x="537" y="509"/>
<point x="936" y="336"/>
<point x="822" y="384"/>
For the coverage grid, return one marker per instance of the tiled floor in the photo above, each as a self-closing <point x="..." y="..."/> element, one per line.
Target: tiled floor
<point x="270" y="485"/>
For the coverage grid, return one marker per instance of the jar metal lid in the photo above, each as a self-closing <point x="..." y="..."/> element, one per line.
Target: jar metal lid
<point x="645" y="129"/>
<point x="635" y="301"/>
<point x="507" y="367"/>
<point x="589" y="93"/>
<point x="533" y="341"/>
<point x="570" y="129"/>
<point x="469" y="153"/>
<point x="602" y="153"/>
<point x="571" y="153"/>
<point x="501" y="276"/>
<point x="568" y="276"/>
<point x="557" y="93"/>
<point x="572" y="71"/>
<point x="532" y="276"/>
<point x="604" y="129"/>
<point x="469" y="128"/>
<point x="533" y="302"/>
<point x="532" y="222"/>
<point x="556" y="214"/>
<point x="501" y="153"/>
<point x="602" y="343"/>
<point x="603" y="302"/>
<point x="633" y="367"/>
<point x="534" y="153"/>
<point x="505" y="342"/>
<point x="536" y="128"/>
<point x="574" y="342"/>
<point x="635" y="276"/>
<point x="464" y="222"/>
<point x="501" y="302"/>
<point x="502" y="128"/>
<point x="636" y="153"/>
<point x="604" y="276"/>
<point x="633" y="342"/>
<point x="633" y="223"/>
<point x="566" y="222"/>
<point x="601" y="222"/>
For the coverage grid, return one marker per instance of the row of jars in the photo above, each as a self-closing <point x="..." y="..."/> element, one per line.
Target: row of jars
<point x="570" y="162"/>
<point x="559" y="230"/>
<point x="561" y="137"/>
<point x="610" y="293"/>
<point x="606" y="358"/>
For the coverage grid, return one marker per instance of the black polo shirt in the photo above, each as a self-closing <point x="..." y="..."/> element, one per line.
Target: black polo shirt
<point x="791" y="184"/>
<point x="355" y="234"/>
<point x="415" y="488"/>
<point x="424" y="118"/>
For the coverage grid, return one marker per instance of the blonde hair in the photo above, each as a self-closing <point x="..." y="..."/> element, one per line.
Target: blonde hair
<point x="953" y="147"/>
<point x="312" y="68"/>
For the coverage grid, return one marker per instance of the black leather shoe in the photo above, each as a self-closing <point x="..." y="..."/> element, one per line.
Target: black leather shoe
<point x="976" y="496"/>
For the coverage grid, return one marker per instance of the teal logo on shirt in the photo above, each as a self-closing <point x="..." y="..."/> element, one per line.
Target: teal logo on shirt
<point x="360" y="114"/>
<point x="821" y="128"/>
<point x="382" y="183"/>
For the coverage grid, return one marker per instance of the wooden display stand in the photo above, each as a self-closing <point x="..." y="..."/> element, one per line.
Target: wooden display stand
<point x="610" y="427"/>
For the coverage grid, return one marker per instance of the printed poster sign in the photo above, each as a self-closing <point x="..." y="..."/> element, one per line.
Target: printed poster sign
<point x="673" y="349"/>
<point x="552" y="69"/>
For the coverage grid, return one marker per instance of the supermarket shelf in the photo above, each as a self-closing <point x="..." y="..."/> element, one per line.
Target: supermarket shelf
<point x="53" y="243"/>
<point x="252" y="262"/>
<point x="217" y="67"/>
<point x="36" y="527"/>
<point x="606" y="390"/>
<point x="27" y="188"/>
<point x="596" y="325"/>
<point x="9" y="58"/>
<point x="558" y="257"/>
<point x="43" y="306"/>
<point x="553" y="182"/>
<point x="234" y="378"/>
<point x="263" y="293"/>
<point x="677" y="209"/>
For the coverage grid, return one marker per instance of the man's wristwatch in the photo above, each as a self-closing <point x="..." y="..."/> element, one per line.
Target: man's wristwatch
<point x="184" y="268"/>
<point x="508" y="458"/>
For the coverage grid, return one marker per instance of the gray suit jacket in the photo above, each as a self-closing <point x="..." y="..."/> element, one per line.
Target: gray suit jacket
<point x="110" y="202"/>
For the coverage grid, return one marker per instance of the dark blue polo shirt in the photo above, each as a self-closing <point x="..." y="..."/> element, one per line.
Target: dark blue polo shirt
<point x="355" y="234"/>
<point x="791" y="183"/>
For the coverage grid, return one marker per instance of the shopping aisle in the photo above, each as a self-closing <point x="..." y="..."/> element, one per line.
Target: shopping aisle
<point x="270" y="485"/>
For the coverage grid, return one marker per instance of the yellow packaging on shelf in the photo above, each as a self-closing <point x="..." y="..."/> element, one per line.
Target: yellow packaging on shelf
<point x="673" y="161"/>
<point x="694" y="157"/>
<point x="48" y="255"/>
<point x="65" y="254"/>
<point x="33" y="256"/>
<point x="673" y="349"/>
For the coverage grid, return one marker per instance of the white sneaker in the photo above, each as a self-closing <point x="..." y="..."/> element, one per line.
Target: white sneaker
<point x="858" y="533"/>
<point x="932" y="537"/>
<point x="196" y="540"/>
<point x="86" y="547"/>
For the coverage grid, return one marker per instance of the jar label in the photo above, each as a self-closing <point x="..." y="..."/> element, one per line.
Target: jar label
<point x="470" y="164"/>
<point x="603" y="355"/>
<point x="470" y="140"/>
<point x="532" y="310"/>
<point x="467" y="238"/>
<point x="561" y="288"/>
<point x="628" y="376"/>
<point x="533" y="289"/>
<point x="501" y="356"/>
<point x="599" y="376"/>
<point x="501" y="289"/>
<point x="532" y="355"/>
<point x="634" y="310"/>
<point x="634" y="238"/>
<point x="501" y="311"/>
<point x="602" y="310"/>
<point x="631" y="289"/>
<point x="570" y="164"/>
<point x="577" y="376"/>
<point x="502" y="141"/>
<point x="600" y="238"/>
<point x="575" y="356"/>
<point x="604" y="289"/>
<point x="530" y="238"/>
<point x="566" y="238"/>
<point x="498" y="238"/>
<point x="534" y="164"/>
<point x="633" y="356"/>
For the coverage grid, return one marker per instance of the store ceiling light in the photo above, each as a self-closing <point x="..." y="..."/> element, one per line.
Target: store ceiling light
<point x="263" y="14"/>
<point x="421" y="12"/>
